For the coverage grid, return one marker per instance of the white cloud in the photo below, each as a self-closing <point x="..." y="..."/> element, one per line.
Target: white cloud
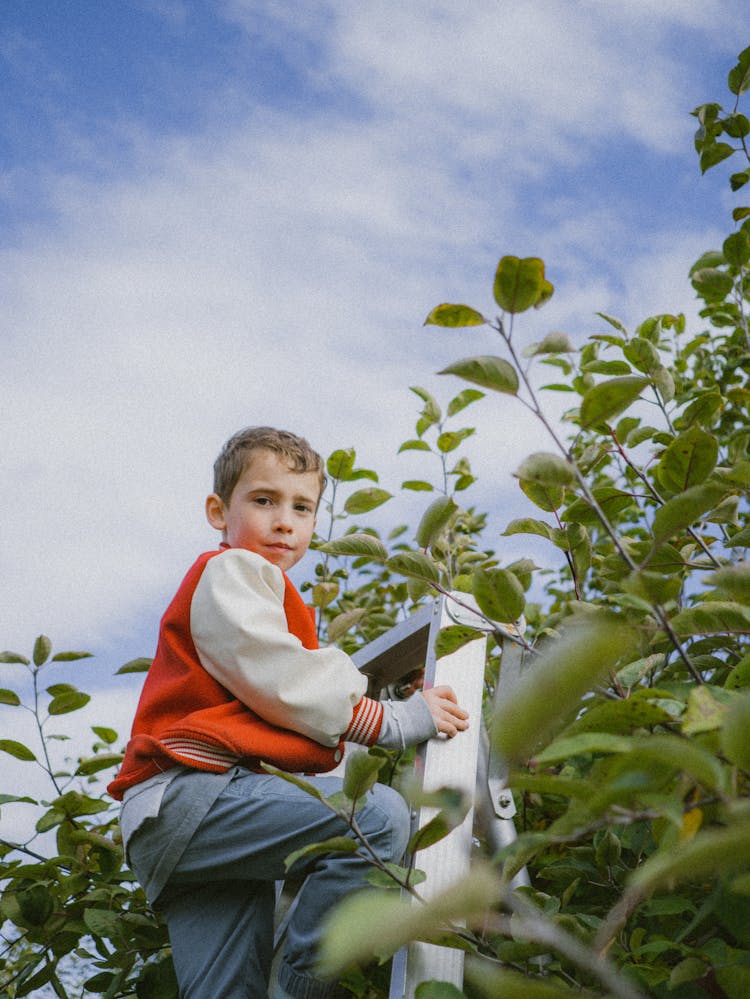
<point x="278" y="269"/>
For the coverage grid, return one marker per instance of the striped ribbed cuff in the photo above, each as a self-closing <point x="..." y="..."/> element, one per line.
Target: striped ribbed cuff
<point x="364" y="727"/>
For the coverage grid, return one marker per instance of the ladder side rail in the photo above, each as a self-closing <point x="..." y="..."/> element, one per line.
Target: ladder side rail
<point x="451" y="763"/>
<point x="495" y="805"/>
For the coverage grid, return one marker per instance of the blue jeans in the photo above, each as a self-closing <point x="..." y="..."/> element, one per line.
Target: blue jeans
<point x="219" y="900"/>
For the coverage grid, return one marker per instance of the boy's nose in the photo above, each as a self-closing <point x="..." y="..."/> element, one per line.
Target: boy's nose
<point x="283" y="522"/>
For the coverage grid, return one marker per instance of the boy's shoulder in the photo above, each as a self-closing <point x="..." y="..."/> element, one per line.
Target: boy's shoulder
<point x="239" y="564"/>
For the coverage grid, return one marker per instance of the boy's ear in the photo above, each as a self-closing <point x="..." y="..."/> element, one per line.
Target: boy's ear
<point x="215" y="512"/>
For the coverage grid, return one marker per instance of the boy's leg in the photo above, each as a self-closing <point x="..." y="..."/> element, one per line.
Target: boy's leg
<point x="385" y="823"/>
<point x="222" y="938"/>
<point x="255" y="823"/>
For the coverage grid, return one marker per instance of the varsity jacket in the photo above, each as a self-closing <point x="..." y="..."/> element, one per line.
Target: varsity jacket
<point x="238" y="678"/>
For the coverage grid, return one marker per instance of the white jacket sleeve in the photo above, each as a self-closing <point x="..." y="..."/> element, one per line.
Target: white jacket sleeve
<point x="241" y="635"/>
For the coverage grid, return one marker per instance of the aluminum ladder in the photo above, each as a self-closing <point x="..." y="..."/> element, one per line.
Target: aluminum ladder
<point x="464" y="762"/>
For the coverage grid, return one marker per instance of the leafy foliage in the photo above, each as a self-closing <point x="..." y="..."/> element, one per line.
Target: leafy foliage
<point x="72" y="914"/>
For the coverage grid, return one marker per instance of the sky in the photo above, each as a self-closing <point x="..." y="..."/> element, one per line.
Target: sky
<point x="216" y="213"/>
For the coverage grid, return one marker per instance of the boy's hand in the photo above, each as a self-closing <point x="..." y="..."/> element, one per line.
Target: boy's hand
<point x="448" y="716"/>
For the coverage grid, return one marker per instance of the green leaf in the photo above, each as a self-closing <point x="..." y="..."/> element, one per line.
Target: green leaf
<point x="693" y="860"/>
<point x="567" y="746"/>
<point x="414" y="564"/>
<point x="688" y="970"/>
<point x="607" y="368"/>
<point x="386" y="878"/>
<point x="736" y="249"/>
<point x="520" y="283"/>
<point x="741" y="539"/>
<point x="734" y="733"/>
<point x="454" y="637"/>
<point x="491" y="981"/>
<point x="546" y="497"/>
<point x="158" y="980"/>
<point x="739" y="76"/>
<point x="463" y="399"/>
<point x="36" y="904"/>
<point x="436" y="829"/>
<point x="324" y="593"/>
<point x="546" y="469"/>
<point x="356" y="544"/>
<point x="527" y="525"/>
<point x="369" y="924"/>
<point x="363" y="473"/>
<point x="301" y="783"/>
<point x="685" y="509"/>
<point x="642" y="354"/>
<point x="140" y="665"/>
<point x="42" y="649"/>
<point x="101" y="761"/>
<point x="620" y="717"/>
<point x="629" y="675"/>
<point x="70" y="700"/>
<point x="437" y="990"/>
<point x="553" y="343"/>
<point x="499" y="594"/>
<point x="612" y="501"/>
<point x="343" y="622"/>
<point x="733" y="581"/>
<point x="431" y="411"/>
<point x="340" y="464"/>
<point x="683" y="756"/>
<point x="714" y="617"/>
<point x="613" y="322"/>
<point x="688" y="461"/>
<point x="449" y="440"/>
<point x="73" y="803"/>
<point x="100" y="982"/>
<point x="488" y="371"/>
<point x="703" y="712"/>
<point x="557" y="679"/>
<point x="9" y="697"/>
<point x="364" y="500"/>
<point x="418" y="486"/>
<point x="70" y="657"/>
<point x="336" y="844"/>
<point x="714" y="153"/>
<point x="49" y="820"/>
<point x="16" y="749"/>
<point x="13" y="657"/>
<point x="664" y="383"/>
<point x="107" y="735"/>
<point x="415" y="445"/>
<point x="435" y="519"/>
<point x="454" y="315"/>
<point x="712" y="284"/>
<point x="610" y="398"/>
<point x="653" y="587"/>
<point x="361" y="773"/>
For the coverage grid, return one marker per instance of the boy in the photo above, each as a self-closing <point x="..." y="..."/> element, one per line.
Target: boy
<point x="237" y="679"/>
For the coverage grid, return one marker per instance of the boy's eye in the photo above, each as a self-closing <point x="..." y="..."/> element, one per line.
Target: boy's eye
<point x="304" y="508"/>
<point x="262" y="500"/>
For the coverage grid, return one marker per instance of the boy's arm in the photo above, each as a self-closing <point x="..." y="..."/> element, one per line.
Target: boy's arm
<point x="241" y="635"/>
<point x="242" y="638"/>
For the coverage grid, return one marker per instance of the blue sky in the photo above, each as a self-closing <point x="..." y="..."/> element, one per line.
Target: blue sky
<point x="240" y="211"/>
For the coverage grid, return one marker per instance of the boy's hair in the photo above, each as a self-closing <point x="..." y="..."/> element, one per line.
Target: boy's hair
<point x="238" y="450"/>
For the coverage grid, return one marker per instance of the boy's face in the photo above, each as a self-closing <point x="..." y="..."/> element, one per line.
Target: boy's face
<point x="271" y="510"/>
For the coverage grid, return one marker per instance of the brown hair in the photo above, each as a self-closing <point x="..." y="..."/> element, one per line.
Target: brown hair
<point x="238" y="450"/>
